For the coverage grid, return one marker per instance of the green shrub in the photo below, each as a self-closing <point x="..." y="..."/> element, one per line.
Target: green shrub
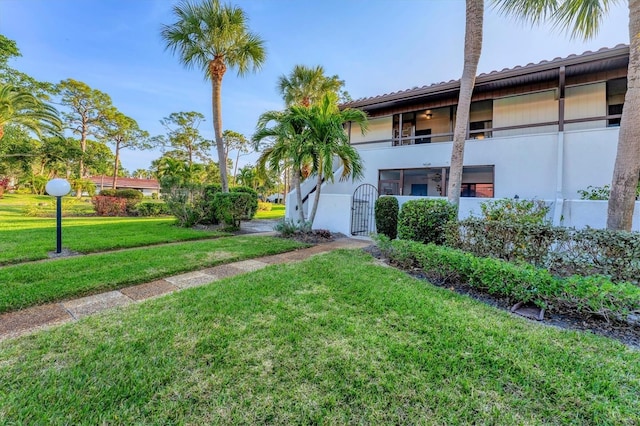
<point x="208" y="205"/>
<point x="185" y="201"/>
<point x="523" y="211"/>
<point x="424" y="220"/>
<point x="386" y="212"/>
<point x="152" y="208"/>
<point x="252" y="192"/>
<point x="108" y="192"/>
<point x="233" y="207"/>
<point x="288" y="228"/>
<point x="519" y="282"/>
<point x="563" y="251"/>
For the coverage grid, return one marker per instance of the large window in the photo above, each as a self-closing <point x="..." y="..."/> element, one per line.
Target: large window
<point x="616" y="90"/>
<point x="477" y="181"/>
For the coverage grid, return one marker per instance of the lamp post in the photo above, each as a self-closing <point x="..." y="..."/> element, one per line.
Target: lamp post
<point x="58" y="188"/>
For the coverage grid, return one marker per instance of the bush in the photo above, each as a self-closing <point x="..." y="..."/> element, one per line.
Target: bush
<point x="386" y="212"/>
<point x="233" y="207"/>
<point x="131" y="196"/>
<point x="523" y="211"/>
<point x="186" y="202"/>
<point x="520" y="283"/>
<point x="152" y="208"/>
<point x="563" y="251"/>
<point x="424" y="220"/>
<point x="109" y="206"/>
<point x="252" y="192"/>
<point x="288" y="228"/>
<point x="108" y="192"/>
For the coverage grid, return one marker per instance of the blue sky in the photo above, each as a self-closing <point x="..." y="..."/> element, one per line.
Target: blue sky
<point x="376" y="46"/>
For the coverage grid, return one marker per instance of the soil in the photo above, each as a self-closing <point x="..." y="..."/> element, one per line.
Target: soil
<point x="317" y="236"/>
<point x="625" y="333"/>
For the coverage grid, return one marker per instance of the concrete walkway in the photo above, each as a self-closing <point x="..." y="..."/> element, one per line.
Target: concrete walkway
<point x="13" y="324"/>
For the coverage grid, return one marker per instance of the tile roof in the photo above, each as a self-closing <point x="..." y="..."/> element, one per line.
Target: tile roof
<point x="126" y="182"/>
<point x="573" y="59"/>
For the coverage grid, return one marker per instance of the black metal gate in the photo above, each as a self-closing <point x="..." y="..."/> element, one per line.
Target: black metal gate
<point x="363" y="203"/>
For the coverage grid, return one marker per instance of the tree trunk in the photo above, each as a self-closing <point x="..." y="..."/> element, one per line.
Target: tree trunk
<point x="295" y="177"/>
<point x="316" y="198"/>
<point x="115" y="165"/>
<point x="627" y="166"/>
<point x="217" y="68"/>
<point x="472" y="50"/>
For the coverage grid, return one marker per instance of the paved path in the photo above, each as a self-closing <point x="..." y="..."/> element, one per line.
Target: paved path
<point x="13" y="324"/>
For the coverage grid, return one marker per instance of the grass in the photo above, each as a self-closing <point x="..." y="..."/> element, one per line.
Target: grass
<point x="24" y="238"/>
<point x="276" y="212"/>
<point x="27" y="285"/>
<point x="334" y="340"/>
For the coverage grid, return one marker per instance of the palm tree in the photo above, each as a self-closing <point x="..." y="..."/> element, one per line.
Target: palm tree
<point x="583" y="18"/>
<point x="287" y="150"/>
<point x="20" y="107"/>
<point x="305" y="86"/>
<point x="213" y="37"/>
<point x="472" y="50"/>
<point x="324" y="135"/>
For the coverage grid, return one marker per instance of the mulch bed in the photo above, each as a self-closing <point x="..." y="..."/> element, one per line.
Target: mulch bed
<point x="624" y="333"/>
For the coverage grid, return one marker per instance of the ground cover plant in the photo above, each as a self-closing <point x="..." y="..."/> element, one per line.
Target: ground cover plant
<point x="30" y="284"/>
<point x="333" y="340"/>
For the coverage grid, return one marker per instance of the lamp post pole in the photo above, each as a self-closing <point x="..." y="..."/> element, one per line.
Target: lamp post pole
<point x="58" y="188"/>
<point x="59" y="225"/>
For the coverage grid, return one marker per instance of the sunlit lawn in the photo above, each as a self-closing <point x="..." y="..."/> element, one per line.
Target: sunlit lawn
<point x="29" y="284"/>
<point x="25" y="238"/>
<point x="332" y="340"/>
<point x="276" y="212"/>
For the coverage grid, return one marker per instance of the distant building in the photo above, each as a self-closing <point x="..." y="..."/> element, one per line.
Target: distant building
<point x="147" y="186"/>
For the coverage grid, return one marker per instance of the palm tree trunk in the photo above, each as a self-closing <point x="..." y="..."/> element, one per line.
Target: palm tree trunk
<point x="217" y="68"/>
<point x="627" y="166"/>
<point x="115" y="166"/>
<point x="316" y="199"/>
<point x="295" y="177"/>
<point x="472" y="50"/>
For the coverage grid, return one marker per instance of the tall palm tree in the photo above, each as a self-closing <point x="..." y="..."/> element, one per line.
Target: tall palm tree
<point x="583" y="18"/>
<point x="324" y="136"/>
<point x="20" y="107"/>
<point x="472" y="50"/>
<point x="212" y="37"/>
<point x="305" y="86"/>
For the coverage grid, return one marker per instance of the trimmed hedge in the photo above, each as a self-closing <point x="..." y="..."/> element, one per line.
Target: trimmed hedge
<point x="424" y="220"/>
<point x="594" y="295"/>
<point x="152" y="208"/>
<point x="233" y="207"/>
<point x="563" y="251"/>
<point x="386" y="213"/>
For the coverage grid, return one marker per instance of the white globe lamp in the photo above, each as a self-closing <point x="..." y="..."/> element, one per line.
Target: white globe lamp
<point x="58" y="188"/>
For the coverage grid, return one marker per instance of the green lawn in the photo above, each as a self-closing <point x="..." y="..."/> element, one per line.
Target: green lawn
<point x="332" y="340"/>
<point x="24" y="238"/>
<point x="276" y="212"/>
<point x="25" y="285"/>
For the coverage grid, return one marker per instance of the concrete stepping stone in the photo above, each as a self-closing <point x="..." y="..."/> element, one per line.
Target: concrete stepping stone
<point x="86" y="306"/>
<point x="14" y="323"/>
<point x="149" y="290"/>
<point x="190" y="279"/>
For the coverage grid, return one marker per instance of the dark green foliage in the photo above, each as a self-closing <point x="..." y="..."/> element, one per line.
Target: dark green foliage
<point x="108" y="192"/>
<point x="247" y="190"/>
<point x="520" y="282"/>
<point x="386" y="211"/>
<point x="424" y="220"/>
<point x="288" y="228"/>
<point x="211" y="217"/>
<point x="525" y="211"/>
<point x="152" y="208"/>
<point x="233" y="207"/>
<point x="185" y="201"/>
<point x="563" y="251"/>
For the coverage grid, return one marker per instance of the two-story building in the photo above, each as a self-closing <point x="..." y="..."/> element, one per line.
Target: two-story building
<point x="544" y="131"/>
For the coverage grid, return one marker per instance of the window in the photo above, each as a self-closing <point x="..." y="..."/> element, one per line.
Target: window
<point x="477" y="181"/>
<point x="616" y="90"/>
